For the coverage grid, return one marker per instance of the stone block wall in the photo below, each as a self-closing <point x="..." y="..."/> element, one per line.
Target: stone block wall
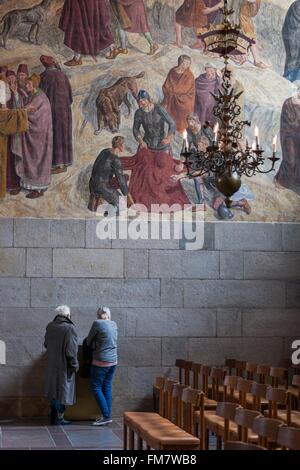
<point x="238" y="297"/>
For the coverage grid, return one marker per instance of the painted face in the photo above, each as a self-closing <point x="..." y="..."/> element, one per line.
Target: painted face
<point x="210" y="73"/>
<point x="121" y="146"/>
<point x="22" y="77"/>
<point x="29" y="86"/>
<point x="184" y="65"/>
<point x="144" y="103"/>
<point x="191" y="123"/>
<point x="12" y="80"/>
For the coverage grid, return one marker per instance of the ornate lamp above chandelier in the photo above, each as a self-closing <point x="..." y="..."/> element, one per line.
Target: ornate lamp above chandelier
<point x="227" y="157"/>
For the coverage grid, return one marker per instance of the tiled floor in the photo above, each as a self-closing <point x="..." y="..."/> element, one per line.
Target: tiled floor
<point x="36" y="434"/>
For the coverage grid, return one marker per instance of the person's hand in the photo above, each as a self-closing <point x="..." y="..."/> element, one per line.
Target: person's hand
<point x="167" y="140"/>
<point x="176" y="178"/>
<point x="30" y="108"/>
<point x="143" y="144"/>
<point x="207" y="10"/>
<point x="13" y="88"/>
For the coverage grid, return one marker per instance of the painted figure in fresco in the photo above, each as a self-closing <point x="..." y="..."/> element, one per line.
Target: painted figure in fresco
<point x="179" y="92"/>
<point x="291" y="35"/>
<point x="55" y="84"/>
<point x="191" y="15"/>
<point x="17" y="101"/>
<point x="86" y="24"/>
<point x="152" y="118"/>
<point x="107" y="171"/>
<point x="34" y="148"/>
<point x="22" y="75"/>
<point x="288" y="175"/>
<point x="4" y="87"/>
<point x="244" y="11"/>
<point x="130" y="16"/>
<point x="34" y="16"/>
<point x="207" y="83"/>
<point x="110" y="99"/>
<point x="61" y="342"/>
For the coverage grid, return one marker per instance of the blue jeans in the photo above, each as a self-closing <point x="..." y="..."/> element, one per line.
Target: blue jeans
<point x="101" y="385"/>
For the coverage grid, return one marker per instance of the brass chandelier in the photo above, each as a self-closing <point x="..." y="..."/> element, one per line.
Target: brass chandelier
<point x="227" y="157"/>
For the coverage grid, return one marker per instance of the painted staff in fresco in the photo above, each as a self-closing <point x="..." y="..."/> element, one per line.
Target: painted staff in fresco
<point x="179" y="92"/>
<point x="130" y="16"/>
<point x="291" y="35"/>
<point x="86" y="24"/>
<point x="288" y="175"/>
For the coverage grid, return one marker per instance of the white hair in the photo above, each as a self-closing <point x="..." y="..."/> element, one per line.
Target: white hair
<point x="63" y="310"/>
<point x="104" y="313"/>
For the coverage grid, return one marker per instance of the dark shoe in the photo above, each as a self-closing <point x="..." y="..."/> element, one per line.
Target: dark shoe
<point x="113" y="53"/>
<point x="35" y="194"/>
<point x="73" y="62"/>
<point x="102" y="421"/>
<point x="224" y="213"/>
<point x="14" y="192"/>
<point x="153" y="49"/>
<point x="58" y="169"/>
<point x="62" y="422"/>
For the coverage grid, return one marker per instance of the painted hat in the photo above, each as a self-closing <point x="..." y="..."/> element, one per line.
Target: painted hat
<point x="47" y="60"/>
<point x="143" y="95"/>
<point x="23" y="68"/>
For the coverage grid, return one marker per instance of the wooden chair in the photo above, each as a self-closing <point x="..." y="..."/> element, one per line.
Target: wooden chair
<point x="237" y="445"/>
<point x="218" y="422"/>
<point x="184" y="369"/>
<point x="244" y="420"/>
<point x="196" y="369"/>
<point x="288" y="438"/>
<point x="263" y="371"/>
<point x="243" y="390"/>
<point x="279" y="375"/>
<point x="204" y="377"/>
<point x="230" y="385"/>
<point x="295" y="389"/>
<point x="177" y="397"/>
<point x="279" y="397"/>
<point x="230" y="364"/>
<point x="257" y="398"/>
<point x="155" y="393"/>
<point x="251" y="368"/>
<point x="266" y="429"/>
<point x="168" y="398"/>
<point x="217" y="388"/>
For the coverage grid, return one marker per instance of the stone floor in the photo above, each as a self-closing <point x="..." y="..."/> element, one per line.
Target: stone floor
<point x="81" y="435"/>
<point x="37" y="435"/>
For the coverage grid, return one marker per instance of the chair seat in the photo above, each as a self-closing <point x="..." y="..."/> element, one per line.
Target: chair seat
<point x="294" y="391"/>
<point x="212" y="421"/>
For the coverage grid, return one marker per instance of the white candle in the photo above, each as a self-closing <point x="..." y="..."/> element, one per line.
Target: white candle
<point x="186" y="143"/>
<point x="216" y="131"/>
<point x="256" y="133"/>
<point x="253" y="146"/>
<point x="274" y="145"/>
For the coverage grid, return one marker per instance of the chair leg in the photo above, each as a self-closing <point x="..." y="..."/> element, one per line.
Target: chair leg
<point x="131" y="439"/>
<point x="140" y="443"/>
<point x="206" y="439"/>
<point x="219" y="443"/>
<point x="125" y="437"/>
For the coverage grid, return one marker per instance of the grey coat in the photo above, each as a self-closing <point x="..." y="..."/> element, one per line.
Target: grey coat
<point x="62" y="346"/>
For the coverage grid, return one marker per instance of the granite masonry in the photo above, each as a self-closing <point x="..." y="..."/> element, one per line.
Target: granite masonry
<point x="237" y="297"/>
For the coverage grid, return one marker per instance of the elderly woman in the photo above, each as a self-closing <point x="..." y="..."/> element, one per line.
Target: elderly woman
<point x="61" y="344"/>
<point x="103" y="338"/>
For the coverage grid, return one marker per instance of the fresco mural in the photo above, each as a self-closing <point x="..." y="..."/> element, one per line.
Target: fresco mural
<point x="96" y="94"/>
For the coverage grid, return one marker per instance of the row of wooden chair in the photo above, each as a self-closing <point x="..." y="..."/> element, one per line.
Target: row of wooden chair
<point x="183" y="413"/>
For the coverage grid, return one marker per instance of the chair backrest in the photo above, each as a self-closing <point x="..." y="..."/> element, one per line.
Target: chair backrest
<point x="267" y="429"/>
<point x="230" y="384"/>
<point x="168" y="398"/>
<point x="237" y="445"/>
<point x="191" y="401"/>
<point x="217" y="377"/>
<point x="177" y="396"/>
<point x="240" y="367"/>
<point x="243" y="387"/>
<point x="227" y="411"/>
<point x="296" y="383"/>
<point x="289" y="438"/>
<point x="258" y="391"/>
<point x="263" y="371"/>
<point x="279" y="375"/>
<point x="230" y="364"/>
<point x="196" y="369"/>
<point x="205" y="373"/>
<point x="244" y="419"/>
<point x="251" y="368"/>
<point x="159" y="383"/>
<point x="278" y="396"/>
<point x="184" y="370"/>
